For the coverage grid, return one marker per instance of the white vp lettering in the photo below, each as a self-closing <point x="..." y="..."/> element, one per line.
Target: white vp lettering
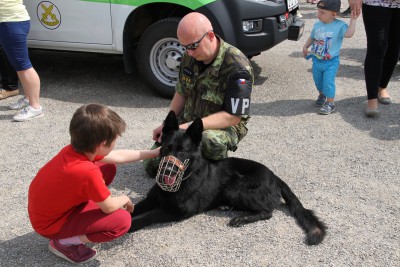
<point x="244" y="103"/>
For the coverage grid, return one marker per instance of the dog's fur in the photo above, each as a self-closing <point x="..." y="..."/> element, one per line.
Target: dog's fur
<point x="239" y="183"/>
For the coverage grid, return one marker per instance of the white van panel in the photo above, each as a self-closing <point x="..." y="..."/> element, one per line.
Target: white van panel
<point x="95" y="48"/>
<point x="119" y="15"/>
<point x="70" y="21"/>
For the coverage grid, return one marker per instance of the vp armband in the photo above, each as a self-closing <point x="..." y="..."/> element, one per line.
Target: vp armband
<point x="237" y="97"/>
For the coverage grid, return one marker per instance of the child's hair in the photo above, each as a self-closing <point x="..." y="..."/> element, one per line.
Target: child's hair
<point x="93" y="124"/>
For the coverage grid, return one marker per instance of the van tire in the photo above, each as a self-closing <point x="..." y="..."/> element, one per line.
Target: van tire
<point x="158" y="56"/>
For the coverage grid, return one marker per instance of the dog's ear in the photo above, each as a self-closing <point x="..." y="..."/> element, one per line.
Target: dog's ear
<point x="195" y="131"/>
<point x="170" y="124"/>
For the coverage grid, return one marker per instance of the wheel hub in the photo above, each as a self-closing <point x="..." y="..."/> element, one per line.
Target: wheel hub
<point x="173" y="60"/>
<point x="165" y="59"/>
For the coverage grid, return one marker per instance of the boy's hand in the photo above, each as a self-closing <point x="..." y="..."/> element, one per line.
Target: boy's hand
<point x="354" y="15"/>
<point x="157" y="151"/>
<point x="129" y="206"/>
<point x="356" y="6"/>
<point x="305" y="51"/>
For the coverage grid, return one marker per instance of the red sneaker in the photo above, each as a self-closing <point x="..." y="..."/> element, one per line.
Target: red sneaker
<point x="72" y="253"/>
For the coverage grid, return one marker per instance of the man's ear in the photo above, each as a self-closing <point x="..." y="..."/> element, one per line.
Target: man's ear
<point x="195" y="131"/>
<point x="170" y="124"/>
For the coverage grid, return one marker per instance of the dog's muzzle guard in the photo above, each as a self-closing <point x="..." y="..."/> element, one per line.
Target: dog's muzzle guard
<point x="170" y="173"/>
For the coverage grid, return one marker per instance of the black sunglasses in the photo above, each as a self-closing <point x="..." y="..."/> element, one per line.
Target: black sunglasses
<point x="195" y="45"/>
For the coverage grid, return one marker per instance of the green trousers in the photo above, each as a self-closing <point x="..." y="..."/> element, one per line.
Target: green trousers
<point x="215" y="146"/>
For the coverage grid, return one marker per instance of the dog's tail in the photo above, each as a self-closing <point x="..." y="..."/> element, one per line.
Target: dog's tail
<point x="312" y="226"/>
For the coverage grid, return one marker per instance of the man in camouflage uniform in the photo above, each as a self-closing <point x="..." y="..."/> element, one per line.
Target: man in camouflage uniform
<point x="215" y="83"/>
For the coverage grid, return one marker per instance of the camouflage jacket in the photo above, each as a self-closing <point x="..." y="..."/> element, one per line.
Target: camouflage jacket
<point x="205" y="89"/>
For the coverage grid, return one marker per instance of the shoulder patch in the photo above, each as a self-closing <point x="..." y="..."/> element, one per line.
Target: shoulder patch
<point x="237" y="97"/>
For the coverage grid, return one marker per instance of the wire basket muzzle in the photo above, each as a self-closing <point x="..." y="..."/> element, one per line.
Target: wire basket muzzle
<point x="170" y="173"/>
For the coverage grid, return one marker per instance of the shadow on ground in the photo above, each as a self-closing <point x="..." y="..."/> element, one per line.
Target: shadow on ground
<point x="386" y="127"/>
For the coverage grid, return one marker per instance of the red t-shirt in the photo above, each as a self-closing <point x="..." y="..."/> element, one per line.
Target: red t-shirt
<point x="66" y="181"/>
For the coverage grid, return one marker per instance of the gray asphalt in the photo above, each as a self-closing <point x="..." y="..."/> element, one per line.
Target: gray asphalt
<point x="344" y="166"/>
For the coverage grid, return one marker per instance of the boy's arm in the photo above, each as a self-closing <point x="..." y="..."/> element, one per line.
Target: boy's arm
<point x="125" y="156"/>
<point x="307" y="45"/>
<point x="111" y="204"/>
<point x="352" y="25"/>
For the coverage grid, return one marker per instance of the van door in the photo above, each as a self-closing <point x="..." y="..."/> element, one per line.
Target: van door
<point x="70" y="21"/>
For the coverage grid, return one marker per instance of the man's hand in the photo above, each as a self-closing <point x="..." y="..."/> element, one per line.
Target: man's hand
<point x="157" y="132"/>
<point x="185" y="125"/>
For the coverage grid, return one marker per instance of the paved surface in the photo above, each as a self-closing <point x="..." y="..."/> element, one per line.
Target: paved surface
<point x="344" y="166"/>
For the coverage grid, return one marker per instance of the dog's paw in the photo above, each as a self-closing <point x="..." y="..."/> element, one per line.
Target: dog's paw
<point x="225" y="208"/>
<point x="237" y="222"/>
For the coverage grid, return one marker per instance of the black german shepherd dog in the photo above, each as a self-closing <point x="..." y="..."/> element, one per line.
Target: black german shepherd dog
<point x="239" y="183"/>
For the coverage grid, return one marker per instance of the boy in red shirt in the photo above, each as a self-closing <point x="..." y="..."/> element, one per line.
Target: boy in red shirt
<point x="69" y="202"/>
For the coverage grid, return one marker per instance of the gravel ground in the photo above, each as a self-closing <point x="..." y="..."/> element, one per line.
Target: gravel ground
<point x="343" y="166"/>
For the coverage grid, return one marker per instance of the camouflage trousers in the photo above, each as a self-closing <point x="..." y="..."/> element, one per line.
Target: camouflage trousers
<point x="215" y="146"/>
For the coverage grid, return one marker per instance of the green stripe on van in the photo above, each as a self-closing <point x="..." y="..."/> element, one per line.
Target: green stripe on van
<point x="190" y="4"/>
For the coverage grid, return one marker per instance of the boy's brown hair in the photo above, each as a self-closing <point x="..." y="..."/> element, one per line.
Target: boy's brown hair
<point x="93" y="124"/>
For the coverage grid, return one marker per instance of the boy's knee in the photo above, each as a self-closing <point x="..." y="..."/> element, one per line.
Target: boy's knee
<point x="114" y="226"/>
<point x="123" y="220"/>
<point x="108" y="170"/>
<point x="126" y="221"/>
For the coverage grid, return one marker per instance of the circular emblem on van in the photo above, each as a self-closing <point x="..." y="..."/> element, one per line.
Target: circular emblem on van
<point x="49" y="15"/>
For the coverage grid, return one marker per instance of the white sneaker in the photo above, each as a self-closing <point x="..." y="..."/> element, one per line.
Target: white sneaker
<point x="21" y="103"/>
<point x="29" y="113"/>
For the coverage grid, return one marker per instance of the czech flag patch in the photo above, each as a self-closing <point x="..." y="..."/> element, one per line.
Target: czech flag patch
<point x="241" y="81"/>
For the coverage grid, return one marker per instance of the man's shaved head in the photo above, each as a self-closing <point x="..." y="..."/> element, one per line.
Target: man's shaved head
<point x="193" y="25"/>
<point x="197" y="28"/>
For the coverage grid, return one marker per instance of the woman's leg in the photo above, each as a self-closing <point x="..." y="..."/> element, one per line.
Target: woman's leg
<point x="376" y="23"/>
<point x="14" y="43"/>
<point x="391" y="56"/>
<point x="9" y="77"/>
<point x="31" y="84"/>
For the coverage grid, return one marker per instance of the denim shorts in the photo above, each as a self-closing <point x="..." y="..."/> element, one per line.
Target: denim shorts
<point x="13" y="40"/>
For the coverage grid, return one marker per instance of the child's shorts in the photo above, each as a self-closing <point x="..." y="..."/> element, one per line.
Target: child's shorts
<point x="13" y="40"/>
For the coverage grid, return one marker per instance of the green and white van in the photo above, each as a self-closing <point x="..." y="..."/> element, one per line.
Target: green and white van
<point x="144" y="31"/>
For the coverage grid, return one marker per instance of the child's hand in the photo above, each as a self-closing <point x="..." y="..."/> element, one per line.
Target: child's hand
<point x="354" y="15"/>
<point x="157" y="151"/>
<point x="129" y="206"/>
<point x="305" y="51"/>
